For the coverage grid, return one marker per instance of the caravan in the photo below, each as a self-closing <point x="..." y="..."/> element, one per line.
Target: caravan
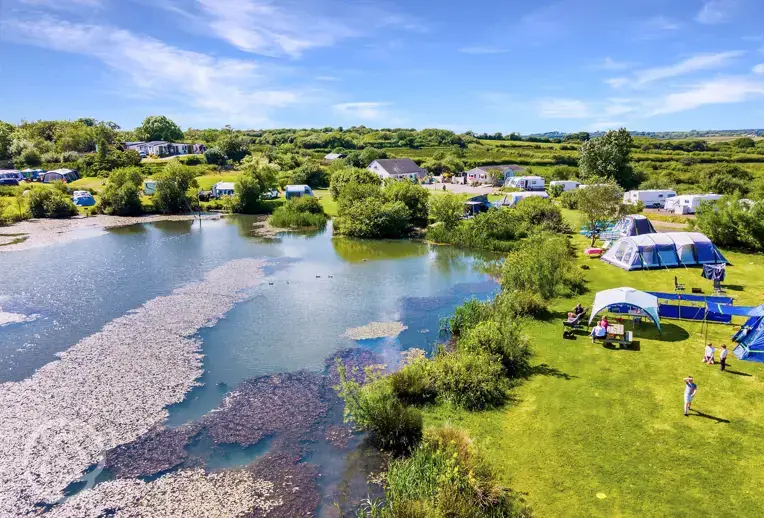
<point x="567" y="185"/>
<point x="688" y="203"/>
<point x="653" y="198"/>
<point x="526" y="183"/>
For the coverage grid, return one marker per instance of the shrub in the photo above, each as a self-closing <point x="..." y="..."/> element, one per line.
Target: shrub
<point x="30" y="157"/>
<point x="523" y="303"/>
<point x="413" y="383"/>
<point x="544" y="267"/>
<point x="502" y="340"/>
<point x="730" y="222"/>
<point x="122" y="194"/>
<point x="312" y="174"/>
<point x="569" y="199"/>
<point x="51" y="157"/>
<point x="340" y="179"/>
<point x="50" y="203"/>
<point x="215" y="156"/>
<point x="727" y="179"/>
<point x="468" y="315"/>
<point x="372" y="217"/>
<point x="414" y="196"/>
<point x="302" y="212"/>
<point x="446" y="209"/>
<point x="192" y="160"/>
<point x="540" y="214"/>
<point x="374" y="408"/>
<point x="474" y="381"/>
<point x="555" y="191"/>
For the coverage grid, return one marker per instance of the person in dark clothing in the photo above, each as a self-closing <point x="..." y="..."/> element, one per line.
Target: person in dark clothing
<point x="723" y="357"/>
<point x="578" y="309"/>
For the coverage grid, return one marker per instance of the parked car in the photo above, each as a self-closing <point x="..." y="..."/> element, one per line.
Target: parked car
<point x="271" y="195"/>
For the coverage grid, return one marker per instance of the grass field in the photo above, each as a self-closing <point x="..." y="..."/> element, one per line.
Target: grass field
<point x="600" y="432"/>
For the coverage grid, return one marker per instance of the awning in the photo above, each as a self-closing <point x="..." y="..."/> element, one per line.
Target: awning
<point x="629" y="296"/>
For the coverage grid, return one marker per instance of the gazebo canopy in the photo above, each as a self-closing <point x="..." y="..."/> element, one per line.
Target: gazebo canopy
<point x="626" y="296"/>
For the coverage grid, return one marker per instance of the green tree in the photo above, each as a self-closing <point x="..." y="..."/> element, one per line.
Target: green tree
<point x="51" y="203"/>
<point x="215" y="156"/>
<point x="414" y="196"/>
<point x="744" y="142"/>
<point x="727" y="179"/>
<point x="312" y="174"/>
<point x="373" y="217"/>
<point x="122" y="194"/>
<point x="731" y="222"/>
<point x="172" y="190"/>
<point x="609" y="157"/>
<point x="600" y="206"/>
<point x="159" y="127"/>
<point x="257" y="176"/>
<point x="447" y="209"/>
<point x="6" y="139"/>
<point x="233" y="145"/>
<point x="340" y="179"/>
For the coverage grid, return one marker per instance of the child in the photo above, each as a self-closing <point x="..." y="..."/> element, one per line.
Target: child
<point x="690" y="388"/>
<point x="708" y="354"/>
<point x="723" y="357"/>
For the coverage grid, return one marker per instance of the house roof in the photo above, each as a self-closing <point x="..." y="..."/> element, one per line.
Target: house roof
<point x="157" y="143"/>
<point x="398" y="166"/>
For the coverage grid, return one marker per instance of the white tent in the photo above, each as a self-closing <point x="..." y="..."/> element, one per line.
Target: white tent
<point x="626" y="297"/>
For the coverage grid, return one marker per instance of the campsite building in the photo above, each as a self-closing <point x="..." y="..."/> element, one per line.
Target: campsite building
<point x="688" y="203"/>
<point x="663" y="250"/>
<point x="221" y="189"/>
<point x="485" y="174"/>
<point x="652" y="198"/>
<point x="397" y="169"/>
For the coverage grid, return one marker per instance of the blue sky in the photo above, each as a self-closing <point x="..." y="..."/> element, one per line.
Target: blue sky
<point x="496" y="65"/>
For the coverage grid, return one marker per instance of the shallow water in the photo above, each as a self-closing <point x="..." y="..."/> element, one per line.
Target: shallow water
<point x="316" y="288"/>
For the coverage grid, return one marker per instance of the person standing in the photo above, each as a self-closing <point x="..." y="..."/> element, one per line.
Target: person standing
<point x="723" y="357"/>
<point x="690" y="389"/>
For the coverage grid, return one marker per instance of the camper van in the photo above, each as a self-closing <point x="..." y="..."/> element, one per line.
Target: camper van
<point x="567" y="185"/>
<point x="688" y="203"/>
<point x="526" y="183"/>
<point x="653" y="198"/>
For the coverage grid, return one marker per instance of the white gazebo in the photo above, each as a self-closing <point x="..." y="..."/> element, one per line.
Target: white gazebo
<point x="626" y="296"/>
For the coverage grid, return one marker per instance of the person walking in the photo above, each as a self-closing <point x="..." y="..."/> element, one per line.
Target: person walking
<point x="723" y="357"/>
<point x="690" y="389"/>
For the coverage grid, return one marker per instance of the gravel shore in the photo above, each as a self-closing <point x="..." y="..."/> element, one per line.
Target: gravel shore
<point x="109" y="388"/>
<point x="36" y="233"/>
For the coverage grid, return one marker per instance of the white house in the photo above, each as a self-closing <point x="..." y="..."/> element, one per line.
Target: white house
<point x="484" y="174"/>
<point x="223" y="189"/>
<point x="397" y="168"/>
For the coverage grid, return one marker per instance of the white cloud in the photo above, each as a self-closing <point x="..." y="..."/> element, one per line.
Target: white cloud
<point x="661" y="23"/>
<point x="368" y="111"/>
<point x="563" y="109"/>
<point x="688" y="66"/>
<point x="720" y="91"/>
<point x="292" y="27"/>
<point x="759" y="69"/>
<point x="716" y="11"/>
<point x="605" y="126"/>
<point x="238" y="90"/>
<point x="483" y="50"/>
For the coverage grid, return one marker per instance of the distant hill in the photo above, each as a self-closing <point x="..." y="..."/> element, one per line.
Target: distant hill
<point x="669" y="134"/>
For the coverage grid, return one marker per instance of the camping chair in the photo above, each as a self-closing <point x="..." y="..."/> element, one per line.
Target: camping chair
<point x="677" y="286"/>
<point x="569" y="326"/>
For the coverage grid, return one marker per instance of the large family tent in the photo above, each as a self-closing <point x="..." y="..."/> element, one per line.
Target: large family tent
<point x="636" y="225"/>
<point x="663" y="250"/>
<point x="750" y="338"/>
<point x="624" y="299"/>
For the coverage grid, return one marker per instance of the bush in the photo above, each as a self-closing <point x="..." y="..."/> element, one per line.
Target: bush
<point x="51" y="157"/>
<point x="302" y="212"/>
<point x="122" y="194"/>
<point x="569" y="199"/>
<point x="555" y="191"/>
<point x="447" y="209"/>
<point x="539" y="214"/>
<point x="310" y="174"/>
<point x="371" y="216"/>
<point x="523" y="303"/>
<point x="258" y="176"/>
<point x="501" y="340"/>
<point x="374" y="408"/>
<point x="414" y="196"/>
<point x="413" y="383"/>
<point x="732" y="223"/>
<point x="191" y="160"/>
<point x="215" y="156"/>
<point x="50" y="203"/>
<point x="340" y="179"/>
<point x="468" y="315"/>
<point x="474" y="381"/>
<point x="30" y="157"/>
<point x="544" y="267"/>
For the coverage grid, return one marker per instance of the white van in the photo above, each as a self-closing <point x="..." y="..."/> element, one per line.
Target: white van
<point x="526" y="183"/>
<point x="567" y="185"/>
<point x="688" y="203"/>
<point x="653" y="198"/>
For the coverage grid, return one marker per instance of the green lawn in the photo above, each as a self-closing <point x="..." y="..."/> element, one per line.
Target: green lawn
<point x="92" y="182"/>
<point x="208" y="180"/>
<point x="327" y="202"/>
<point x="600" y="432"/>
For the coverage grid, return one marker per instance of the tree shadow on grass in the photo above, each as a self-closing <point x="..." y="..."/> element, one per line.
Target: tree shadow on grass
<point x="547" y="370"/>
<point x="707" y="416"/>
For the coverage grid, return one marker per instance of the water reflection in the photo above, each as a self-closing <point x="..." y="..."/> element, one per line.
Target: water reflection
<point x="359" y="250"/>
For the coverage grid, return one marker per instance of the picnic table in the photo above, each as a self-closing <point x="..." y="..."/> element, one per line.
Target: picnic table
<point x="617" y="335"/>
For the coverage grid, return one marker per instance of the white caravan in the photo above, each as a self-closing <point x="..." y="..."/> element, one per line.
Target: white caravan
<point x="526" y="183"/>
<point x="688" y="203"/>
<point x="653" y="198"/>
<point x="567" y="185"/>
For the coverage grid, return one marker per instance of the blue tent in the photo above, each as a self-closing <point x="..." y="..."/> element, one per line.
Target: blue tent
<point x="750" y="338"/>
<point x="663" y="250"/>
<point x="83" y="199"/>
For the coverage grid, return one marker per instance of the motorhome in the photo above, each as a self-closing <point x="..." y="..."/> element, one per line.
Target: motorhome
<point x="652" y="198"/>
<point x="688" y="203"/>
<point x="526" y="183"/>
<point x="567" y="185"/>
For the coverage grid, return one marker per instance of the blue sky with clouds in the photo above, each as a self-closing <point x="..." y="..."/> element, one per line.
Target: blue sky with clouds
<point x="496" y="65"/>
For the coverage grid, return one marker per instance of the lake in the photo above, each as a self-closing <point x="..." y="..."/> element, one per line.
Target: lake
<point x="315" y="288"/>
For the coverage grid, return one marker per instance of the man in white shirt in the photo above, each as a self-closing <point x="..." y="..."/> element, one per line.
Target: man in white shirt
<point x="723" y="357"/>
